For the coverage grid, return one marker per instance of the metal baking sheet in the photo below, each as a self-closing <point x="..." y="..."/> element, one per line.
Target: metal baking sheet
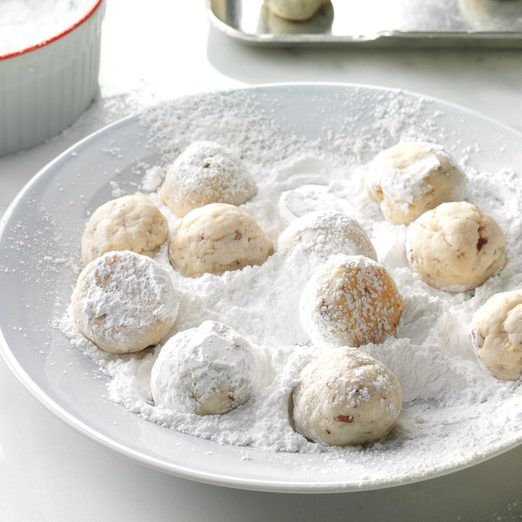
<point x="381" y="23"/>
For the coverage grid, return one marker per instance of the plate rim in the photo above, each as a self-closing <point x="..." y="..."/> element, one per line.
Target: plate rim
<point x="226" y="480"/>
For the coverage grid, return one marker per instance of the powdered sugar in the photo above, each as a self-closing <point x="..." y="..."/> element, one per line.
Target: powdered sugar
<point x="154" y="177"/>
<point x="24" y="23"/>
<point x="451" y="404"/>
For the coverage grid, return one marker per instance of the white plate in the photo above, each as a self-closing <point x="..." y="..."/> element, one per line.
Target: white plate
<point x="49" y="216"/>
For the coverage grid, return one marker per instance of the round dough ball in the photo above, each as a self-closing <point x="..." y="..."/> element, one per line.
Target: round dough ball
<point x="206" y="173"/>
<point x="497" y="334"/>
<point x="216" y="238"/>
<point x="492" y="15"/>
<point x="273" y="24"/>
<point x="124" y="302"/>
<point x="325" y="234"/>
<point x="350" y="301"/>
<point x="127" y="223"/>
<point x="345" y="397"/>
<point x="297" y="10"/>
<point x="411" y="178"/>
<point x="455" y="247"/>
<point x="208" y="370"/>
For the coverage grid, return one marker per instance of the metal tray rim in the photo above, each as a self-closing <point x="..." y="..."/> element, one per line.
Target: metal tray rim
<point x="501" y="38"/>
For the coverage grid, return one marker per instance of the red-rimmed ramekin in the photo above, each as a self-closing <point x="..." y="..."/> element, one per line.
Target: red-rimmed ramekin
<point x="46" y="87"/>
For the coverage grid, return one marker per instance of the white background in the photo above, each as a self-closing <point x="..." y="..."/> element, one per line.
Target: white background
<point x="159" y="49"/>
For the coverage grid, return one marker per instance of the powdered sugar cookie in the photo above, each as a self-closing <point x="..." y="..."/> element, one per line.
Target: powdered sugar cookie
<point x="455" y="247"/>
<point x="124" y="302"/>
<point x="345" y="397"/>
<point x="127" y="223"/>
<point x="350" y="301"/>
<point x="208" y="370"/>
<point x="320" y="22"/>
<point x="491" y="15"/>
<point x="206" y="173"/>
<point x="325" y="234"/>
<point x="296" y="10"/>
<point x="217" y="238"/>
<point x="497" y="334"/>
<point x="410" y="178"/>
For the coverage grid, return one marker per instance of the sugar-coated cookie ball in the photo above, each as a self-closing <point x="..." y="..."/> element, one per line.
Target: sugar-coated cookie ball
<point x="350" y="301"/>
<point x="208" y="370"/>
<point x="455" y="247"/>
<point x="127" y="223"/>
<point x="297" y="10"/>
<point x="206" y="173"/>
<point x="124" y="302"/>
<point x="411" y="178"/>
<point x="497" y="334"/>
<point x="324" y="234"/>
<point x="216" y="238"/>
<point x="345" y="397"/>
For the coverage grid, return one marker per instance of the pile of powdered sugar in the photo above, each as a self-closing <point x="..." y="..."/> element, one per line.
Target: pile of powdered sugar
<point x="452" y="406"/>
<point x="24" y="23"/>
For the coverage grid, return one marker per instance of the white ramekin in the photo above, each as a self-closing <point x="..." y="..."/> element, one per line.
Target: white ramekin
<point x="45" y="88"/>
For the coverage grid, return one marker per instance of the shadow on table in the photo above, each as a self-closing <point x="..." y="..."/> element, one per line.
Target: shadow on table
<point x="254" y="65"/>
<point x="489" y="491"/>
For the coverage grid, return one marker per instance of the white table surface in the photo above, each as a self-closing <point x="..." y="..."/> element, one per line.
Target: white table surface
<point x="161" y="49"/>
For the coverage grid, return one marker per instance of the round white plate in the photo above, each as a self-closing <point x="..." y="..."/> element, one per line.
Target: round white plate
<point x="45" y="222"/>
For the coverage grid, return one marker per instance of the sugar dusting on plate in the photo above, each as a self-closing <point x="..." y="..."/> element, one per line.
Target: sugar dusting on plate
<point x="453" y="409"/>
